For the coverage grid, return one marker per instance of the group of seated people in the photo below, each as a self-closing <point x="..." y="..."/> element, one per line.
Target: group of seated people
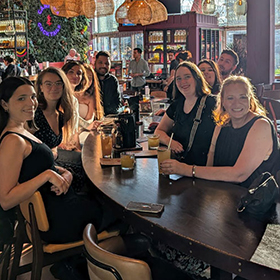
<point x="234" y="140"/>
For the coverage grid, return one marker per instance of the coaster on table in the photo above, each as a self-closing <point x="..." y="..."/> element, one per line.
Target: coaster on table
<point x="110" y="161"/>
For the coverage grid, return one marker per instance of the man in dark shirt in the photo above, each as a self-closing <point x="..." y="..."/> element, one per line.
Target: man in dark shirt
<point x="173" y="65"/>
<point x="109" y="84"/>
<point x="227" y="63"/>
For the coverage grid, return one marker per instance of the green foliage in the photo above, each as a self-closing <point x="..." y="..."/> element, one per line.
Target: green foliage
<point x="72" y="33"/>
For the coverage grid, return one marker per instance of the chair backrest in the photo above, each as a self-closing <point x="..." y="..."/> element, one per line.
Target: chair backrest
<point x="259" y="90"/>
<point x="276" y="85"/>
<point x="159" y="94"/>
<point x="273" y="107"/>
<point x="274" y="94"/>
<point x="104" y="265"/>
<point x="39" y="209"/>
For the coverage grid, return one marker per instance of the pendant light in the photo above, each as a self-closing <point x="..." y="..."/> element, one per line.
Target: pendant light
<point x="159" y="12"/>
<point x="104" y="7"/>
<point x="121" y="12"/>
<point x="208" y="7"/>
<point x="140" y="12"/>
<point x="240" y="7"/>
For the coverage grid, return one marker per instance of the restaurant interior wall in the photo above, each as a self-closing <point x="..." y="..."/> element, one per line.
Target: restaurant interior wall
<point x="227" y="19"/>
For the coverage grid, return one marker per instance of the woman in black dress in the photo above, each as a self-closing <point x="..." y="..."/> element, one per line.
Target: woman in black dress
<point x="190" y="87"/>
<point x="27" y="165"/>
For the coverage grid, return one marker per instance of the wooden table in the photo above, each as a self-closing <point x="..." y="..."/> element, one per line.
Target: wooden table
<point x="199" y="218"/>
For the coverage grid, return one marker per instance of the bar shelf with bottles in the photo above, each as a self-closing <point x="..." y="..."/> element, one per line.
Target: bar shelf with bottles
<point x="13" y="33"/>
<point x="178" y="32"/>
<point x="156" y="48"/>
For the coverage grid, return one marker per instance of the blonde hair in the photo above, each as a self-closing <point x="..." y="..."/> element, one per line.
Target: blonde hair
<point x="94" y="91"/>
<point x="221" y="117"/>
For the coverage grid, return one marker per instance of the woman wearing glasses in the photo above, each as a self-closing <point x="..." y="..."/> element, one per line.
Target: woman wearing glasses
<point x="55" y="114"/>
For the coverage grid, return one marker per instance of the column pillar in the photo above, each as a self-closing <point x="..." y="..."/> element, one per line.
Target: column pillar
<point x="261" y="41"/>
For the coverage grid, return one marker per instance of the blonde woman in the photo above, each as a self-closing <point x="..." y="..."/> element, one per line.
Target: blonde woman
<point x="90" y="107"/>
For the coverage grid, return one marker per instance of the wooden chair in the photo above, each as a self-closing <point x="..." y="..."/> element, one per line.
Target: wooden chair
<point x="276" y="86"/>
<point x="105" y="265"/>
<point x="159" y="94"/>
<point x="5" y="256"/>
<point x="7" y="230"/>
<point x="32" y="217"/>
<point x="259" y="90"/>
<point x="274" y="94"/>
<point x="273" y="109"/>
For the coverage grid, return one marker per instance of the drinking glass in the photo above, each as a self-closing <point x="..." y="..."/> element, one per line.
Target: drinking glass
<point x="127" y="161"/>
<point x="106" y="143"/>
<point x="163" y="154"/>
<point x="153" y="142"/>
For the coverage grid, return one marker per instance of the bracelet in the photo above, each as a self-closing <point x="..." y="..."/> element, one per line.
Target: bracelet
<point x="193" y="171"/>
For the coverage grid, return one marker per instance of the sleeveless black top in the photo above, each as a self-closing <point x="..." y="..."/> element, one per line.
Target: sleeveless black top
<point x="183" y="125"/>
<point x="229" y="146"/>
<point x="67" y="214"/>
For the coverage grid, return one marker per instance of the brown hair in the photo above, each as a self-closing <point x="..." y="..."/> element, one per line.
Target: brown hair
<point x="84" y="82"/>
<point x="214" y="66"/>
<point x="220" y="115"/>
<point x="201" y="84"/>
<point x="7" y="89"/>
<point x="65" y="104"/>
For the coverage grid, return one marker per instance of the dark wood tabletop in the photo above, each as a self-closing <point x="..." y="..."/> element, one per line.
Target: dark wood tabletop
<point x="199" y="217"/>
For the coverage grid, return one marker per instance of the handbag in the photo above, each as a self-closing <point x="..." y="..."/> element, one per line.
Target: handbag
<point x="261" y="195"/>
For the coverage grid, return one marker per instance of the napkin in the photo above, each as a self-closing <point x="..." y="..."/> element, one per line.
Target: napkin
<point x="268" y="251"/>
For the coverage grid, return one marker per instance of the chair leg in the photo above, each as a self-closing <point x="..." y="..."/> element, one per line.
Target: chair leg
<point x="17" y="250"/>
<point x="6" y="261"/>
<point x="37" y="265"/>
<point x="38" y="254"/>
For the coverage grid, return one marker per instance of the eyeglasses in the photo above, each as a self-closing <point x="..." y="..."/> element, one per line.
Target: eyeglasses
<point x="56" y="84"/>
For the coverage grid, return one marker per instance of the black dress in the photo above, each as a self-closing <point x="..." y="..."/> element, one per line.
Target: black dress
<point x="183" y="124"/>
<point x="45" y="133"/>
<point x="68" y="214"/>
<point x="230" y="143"/>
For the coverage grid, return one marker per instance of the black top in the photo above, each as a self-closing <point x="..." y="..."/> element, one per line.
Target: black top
<point x="67" y="214"/>
<point x="45" y="133"/>
<point x="111" y="96"/>
<point x="230" y="143"/>
<point x="173" y="64"/>
<point x="182" y="128"/>
<point x="11" y="71"/>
